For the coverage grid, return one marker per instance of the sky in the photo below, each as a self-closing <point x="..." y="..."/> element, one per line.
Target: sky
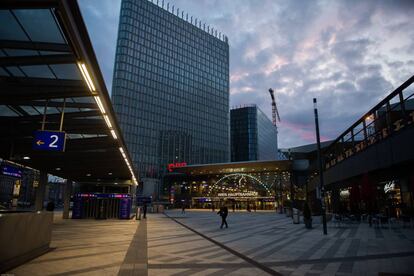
<point x="347" y="54"/>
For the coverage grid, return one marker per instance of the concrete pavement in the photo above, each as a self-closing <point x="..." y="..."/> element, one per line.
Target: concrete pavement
<point x="262" y="243"/>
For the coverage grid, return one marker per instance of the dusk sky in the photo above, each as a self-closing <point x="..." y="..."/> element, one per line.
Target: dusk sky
<point x="347" y="54"/>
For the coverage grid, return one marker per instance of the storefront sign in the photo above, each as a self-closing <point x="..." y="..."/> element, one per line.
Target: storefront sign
<point x="171" y="166"/>
<point x="241" y="194"/>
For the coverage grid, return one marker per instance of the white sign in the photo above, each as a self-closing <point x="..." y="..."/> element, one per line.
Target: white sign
<point x="240" y="194"/>
<point x="389" y="186"/>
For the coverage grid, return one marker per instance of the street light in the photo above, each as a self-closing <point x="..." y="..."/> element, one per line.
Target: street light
<point x="321" y="185"/>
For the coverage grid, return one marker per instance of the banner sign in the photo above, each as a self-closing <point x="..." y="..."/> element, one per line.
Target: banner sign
<point x="241" y="194"/>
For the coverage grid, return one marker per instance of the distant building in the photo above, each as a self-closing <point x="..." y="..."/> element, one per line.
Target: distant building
<point x="253" y="136"/>
<point x="170" y="89"/>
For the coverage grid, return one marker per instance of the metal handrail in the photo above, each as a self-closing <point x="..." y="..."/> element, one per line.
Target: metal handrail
<point x="372" y="127"/>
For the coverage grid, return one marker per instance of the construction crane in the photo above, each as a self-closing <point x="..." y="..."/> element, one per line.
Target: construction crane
<point x="275" y="112"/>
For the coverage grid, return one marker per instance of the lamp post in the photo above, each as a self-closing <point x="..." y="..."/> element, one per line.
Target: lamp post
<point x="292" y="196"/>
<point x="321" y="185"/>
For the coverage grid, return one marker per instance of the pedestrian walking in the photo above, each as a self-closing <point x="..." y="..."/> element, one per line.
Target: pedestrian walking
<point x="234" y="207"/>
<point x="183" y="209"/>
<point x="223" y="213"/>
<point x="50" y="206"/>
<point x="144" y="210"/>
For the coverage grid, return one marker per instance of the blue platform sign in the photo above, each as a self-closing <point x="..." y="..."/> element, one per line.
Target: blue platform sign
<point x="49" y="140"/>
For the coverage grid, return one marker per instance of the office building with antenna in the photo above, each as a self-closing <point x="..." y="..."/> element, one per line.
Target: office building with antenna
<point x="170" y="89"/>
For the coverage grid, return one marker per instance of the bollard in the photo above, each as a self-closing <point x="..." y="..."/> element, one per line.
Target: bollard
<point x="138" y="214"/>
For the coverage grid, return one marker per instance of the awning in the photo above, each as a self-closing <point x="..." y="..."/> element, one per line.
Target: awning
<point x="48" y="67"/>
<point x="236" y="167"/>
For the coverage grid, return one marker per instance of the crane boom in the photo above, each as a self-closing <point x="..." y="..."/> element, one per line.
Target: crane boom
<point x="275" y="112"/>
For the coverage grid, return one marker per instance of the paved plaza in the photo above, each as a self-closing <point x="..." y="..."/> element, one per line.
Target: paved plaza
<point x="262" y="243"/>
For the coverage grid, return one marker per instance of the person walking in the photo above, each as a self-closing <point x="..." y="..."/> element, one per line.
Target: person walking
<point x="50" y="206"/>
<point x="183" y="208"/>
<point x="144" y="210"/>
<point x="223" y="213"/>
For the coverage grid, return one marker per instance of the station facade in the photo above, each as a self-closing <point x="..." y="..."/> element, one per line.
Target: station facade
<point x="261" y="185"/>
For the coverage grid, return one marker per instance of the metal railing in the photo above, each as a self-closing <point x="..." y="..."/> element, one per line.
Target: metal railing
<point x="391" y="115"/>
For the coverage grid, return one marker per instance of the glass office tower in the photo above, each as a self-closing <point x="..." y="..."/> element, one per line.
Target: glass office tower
<point x="170" y="88"/>
<point x="253" y="136"/>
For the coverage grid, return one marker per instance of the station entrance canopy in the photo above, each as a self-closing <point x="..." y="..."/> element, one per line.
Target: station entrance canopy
<point x="256" y="183"/>
<point x="50" y="80"/>
<point x="236" y="167"/>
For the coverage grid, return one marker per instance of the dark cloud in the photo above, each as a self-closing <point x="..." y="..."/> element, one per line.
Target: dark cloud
<point x="348" y="54"/>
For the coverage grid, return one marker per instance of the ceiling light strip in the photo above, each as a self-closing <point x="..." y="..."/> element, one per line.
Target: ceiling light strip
<point x="100" y="105"/>
<point x="134" y="180"/>
<point x="108" y="122"/>
<point x="87" y="77"/>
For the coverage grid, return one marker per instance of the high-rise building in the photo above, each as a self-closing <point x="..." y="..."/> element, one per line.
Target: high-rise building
<point x="170" y="89"/>
<point x="253" y="136"/>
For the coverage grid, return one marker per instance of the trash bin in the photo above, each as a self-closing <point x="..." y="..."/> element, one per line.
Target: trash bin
<point x="295" y="216"/>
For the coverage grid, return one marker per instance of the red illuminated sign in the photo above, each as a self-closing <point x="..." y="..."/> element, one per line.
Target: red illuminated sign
<point x="176" y="165"/>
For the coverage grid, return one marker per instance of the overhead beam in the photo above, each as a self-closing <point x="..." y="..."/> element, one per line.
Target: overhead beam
<point x="28" y="4"/>
<point x="12" y="130"/>
<point x="37" y="60"/>
<point x="33" y="82"/>
<point x="29" y="89"/>
<point x="40" y="46"/>
<point x="20" y="90"/>
<point x="57" y="116"/>
<point x="68" y="104"/>
<point x="33" y="95"/>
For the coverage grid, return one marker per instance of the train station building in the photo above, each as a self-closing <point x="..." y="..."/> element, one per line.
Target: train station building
<point x="263" y="185"/>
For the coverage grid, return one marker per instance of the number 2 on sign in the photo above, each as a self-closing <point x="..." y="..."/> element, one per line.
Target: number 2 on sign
<point x="55" y="139"/>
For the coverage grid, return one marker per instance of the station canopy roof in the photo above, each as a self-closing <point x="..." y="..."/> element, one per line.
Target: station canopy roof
<point x="48" y="67"/>
<point x="236" y="167"/>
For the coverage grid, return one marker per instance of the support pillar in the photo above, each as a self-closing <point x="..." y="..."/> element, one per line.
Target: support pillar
<point x="133" y="191"/>
<point x="40" y="192"/>
<point x="66" y="198"/>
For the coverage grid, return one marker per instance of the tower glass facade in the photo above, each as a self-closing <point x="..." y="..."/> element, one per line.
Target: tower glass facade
<point x="170" y="89"/>
<point x="253" y="136"/>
